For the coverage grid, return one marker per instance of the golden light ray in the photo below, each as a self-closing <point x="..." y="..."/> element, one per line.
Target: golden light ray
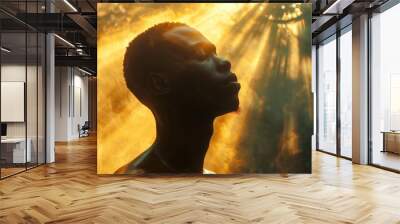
<point x="223" y="137"/>
<point x="127" y="128"/>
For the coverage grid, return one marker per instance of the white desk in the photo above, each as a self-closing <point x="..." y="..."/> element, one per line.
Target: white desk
<point x="18" y="149"/>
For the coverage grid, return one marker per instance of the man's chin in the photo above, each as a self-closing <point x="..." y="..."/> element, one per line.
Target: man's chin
<point x="233" y="106"/>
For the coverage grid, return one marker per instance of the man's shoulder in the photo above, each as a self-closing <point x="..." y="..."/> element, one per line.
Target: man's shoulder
<point x="132" y="166"/>
<point x="128" y="169"/>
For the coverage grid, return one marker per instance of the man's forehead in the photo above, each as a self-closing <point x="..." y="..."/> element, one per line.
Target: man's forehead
<point x="185" y="37"/>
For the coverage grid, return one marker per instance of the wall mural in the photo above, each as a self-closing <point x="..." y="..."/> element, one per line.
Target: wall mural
<point x="206" y="88"/>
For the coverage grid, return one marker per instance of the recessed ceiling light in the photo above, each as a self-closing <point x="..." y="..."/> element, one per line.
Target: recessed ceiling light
<point x="5" y="50"/>
<point x="84" y="71"/>
<point x="70" y="5"/>
<point x="65" y="41"/>
<point x="337" y="7"/>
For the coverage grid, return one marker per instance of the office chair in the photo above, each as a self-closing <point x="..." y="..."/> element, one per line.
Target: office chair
<point x="84" y="130"/>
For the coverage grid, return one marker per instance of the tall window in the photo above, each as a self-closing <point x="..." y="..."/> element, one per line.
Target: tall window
<point x="346" y="93"/>
<point x="327" y="96"/>
<point x="395" y="102"/>
<point x="385" y="89"/>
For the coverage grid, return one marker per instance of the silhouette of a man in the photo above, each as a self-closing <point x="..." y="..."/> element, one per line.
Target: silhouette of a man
<point x="175" y="71"/>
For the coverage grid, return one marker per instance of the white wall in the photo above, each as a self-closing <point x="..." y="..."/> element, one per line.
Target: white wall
<point x="33" y="127"/>
<point x="16" y="73"/>
<point x="80" y="102"/>
<point x="71" y="102"/>
<point x="62" y="81"/>
<point x="12" y="73"/>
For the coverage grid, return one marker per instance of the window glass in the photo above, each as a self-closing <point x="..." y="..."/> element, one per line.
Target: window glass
<point x="327" y="96"/>
<point x="346" y="94"/>
<point x="385" y="89"/>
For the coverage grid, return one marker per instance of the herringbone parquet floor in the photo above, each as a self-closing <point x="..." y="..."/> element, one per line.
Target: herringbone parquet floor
<point x="69" y="191"/>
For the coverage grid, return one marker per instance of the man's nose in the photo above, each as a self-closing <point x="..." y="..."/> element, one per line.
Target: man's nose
<point x="224" y="65"/>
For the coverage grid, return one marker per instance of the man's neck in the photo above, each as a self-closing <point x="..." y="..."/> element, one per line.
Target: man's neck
<point x="181" y="144"/>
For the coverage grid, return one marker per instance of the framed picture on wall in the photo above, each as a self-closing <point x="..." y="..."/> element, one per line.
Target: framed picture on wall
<point x="204" y="88"/>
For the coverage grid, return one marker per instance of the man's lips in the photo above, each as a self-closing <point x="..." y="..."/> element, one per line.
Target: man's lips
<point x="231" y="78"/>
<point x="235" y="86"/>
<point x="232" y="82"/>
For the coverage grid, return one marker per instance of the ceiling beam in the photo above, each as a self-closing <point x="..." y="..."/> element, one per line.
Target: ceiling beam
<point x="81" y="61"/>
<point x="320" y="22"/>
<point x="84" y="24"/>
<point x="49" y="22"/>
<point x="338" y="6"/>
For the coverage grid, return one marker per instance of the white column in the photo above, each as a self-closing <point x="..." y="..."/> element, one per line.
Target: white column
<point x="50" y="92"/>
<point x="50" y="99"/>
<point x="360" y="89"/>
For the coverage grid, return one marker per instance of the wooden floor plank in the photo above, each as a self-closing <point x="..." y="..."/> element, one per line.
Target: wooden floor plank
<point x="70" y="191"/>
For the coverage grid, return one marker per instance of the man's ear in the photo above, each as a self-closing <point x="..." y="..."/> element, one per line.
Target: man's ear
<point x="158" y="84"/>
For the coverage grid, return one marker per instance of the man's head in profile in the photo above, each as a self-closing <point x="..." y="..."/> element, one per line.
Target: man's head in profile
<point x="175" y="71"/>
